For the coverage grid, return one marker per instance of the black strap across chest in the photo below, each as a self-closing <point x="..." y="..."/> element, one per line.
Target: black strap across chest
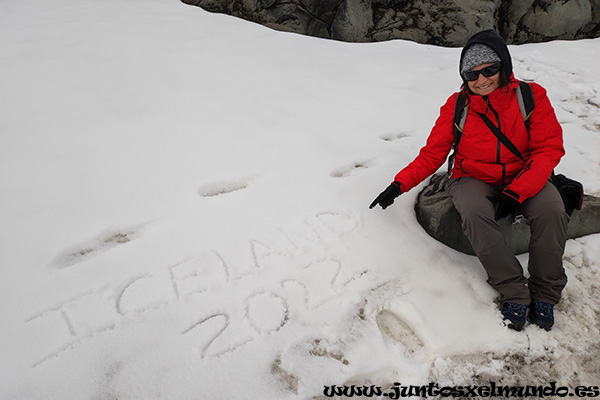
<point x="501" y="136"/>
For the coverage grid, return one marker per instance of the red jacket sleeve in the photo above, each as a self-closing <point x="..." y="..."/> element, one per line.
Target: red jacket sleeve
<point x="434" y="153"/>
<point x="545" y="149"/>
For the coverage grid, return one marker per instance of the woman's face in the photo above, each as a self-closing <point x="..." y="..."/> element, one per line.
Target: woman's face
<point x="484" y="85"/>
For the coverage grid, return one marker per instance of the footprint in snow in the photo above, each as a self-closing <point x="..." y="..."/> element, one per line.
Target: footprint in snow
<point x="223" y="187"/>
<point x="95" y="247"/>
<point x="400" y="330"/>
<point x="348" y="169"/>
<point x="392" y="137"/>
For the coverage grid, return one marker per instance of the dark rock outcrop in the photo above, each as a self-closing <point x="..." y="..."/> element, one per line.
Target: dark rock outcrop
<point x="436" y="213"/>
<point x="440" y="22"/>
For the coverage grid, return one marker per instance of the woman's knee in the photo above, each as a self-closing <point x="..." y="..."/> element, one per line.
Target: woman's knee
<point x="470" y="198"/>
<point x="550" y="211"/>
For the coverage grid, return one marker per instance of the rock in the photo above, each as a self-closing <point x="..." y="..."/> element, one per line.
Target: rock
<point x="436" y="213"/>
<point x="310" y="17"/>
<point x="443" y="22"/>
<point x="551" y="20"/>
<point x="353" y="21"/>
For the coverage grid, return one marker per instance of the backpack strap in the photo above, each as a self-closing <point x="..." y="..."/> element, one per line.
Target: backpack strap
<point x="460" y="116"/>
<point x="461" y="110"/>
<point x="526" y="102"/>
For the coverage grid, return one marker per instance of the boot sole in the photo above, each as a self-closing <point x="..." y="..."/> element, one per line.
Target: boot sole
<point x="515" y="325"/>
<point x="546" y="325"/>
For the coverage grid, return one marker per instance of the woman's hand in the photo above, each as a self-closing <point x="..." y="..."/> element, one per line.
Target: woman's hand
<point x="387" y="197"/>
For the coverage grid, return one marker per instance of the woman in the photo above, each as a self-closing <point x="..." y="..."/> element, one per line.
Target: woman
<point x="489" y="182"/>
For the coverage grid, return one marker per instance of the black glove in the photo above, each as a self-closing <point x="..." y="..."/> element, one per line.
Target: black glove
<point x="504" y="205"/>
<point x="386" y="198"/>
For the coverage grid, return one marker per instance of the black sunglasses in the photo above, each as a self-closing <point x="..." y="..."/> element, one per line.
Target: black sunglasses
<point x="487" y="72"/>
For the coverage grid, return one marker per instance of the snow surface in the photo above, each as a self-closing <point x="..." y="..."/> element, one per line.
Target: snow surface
<point x="183" y="212"/>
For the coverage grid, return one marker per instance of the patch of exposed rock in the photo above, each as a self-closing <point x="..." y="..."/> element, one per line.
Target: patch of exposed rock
<point x="440" y="22"/>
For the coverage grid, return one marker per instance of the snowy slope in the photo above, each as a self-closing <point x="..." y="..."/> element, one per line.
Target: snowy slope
<point x="183" y="212"/>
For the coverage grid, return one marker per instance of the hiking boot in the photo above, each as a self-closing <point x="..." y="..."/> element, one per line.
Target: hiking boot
<point x="541" y="314"/>
<point x="515" y="315"/>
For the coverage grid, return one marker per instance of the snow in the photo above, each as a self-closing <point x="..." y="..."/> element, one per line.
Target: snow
<point x="185" y="212"/>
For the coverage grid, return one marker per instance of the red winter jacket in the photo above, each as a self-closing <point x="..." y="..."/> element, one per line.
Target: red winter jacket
<point x="480" y="154"/>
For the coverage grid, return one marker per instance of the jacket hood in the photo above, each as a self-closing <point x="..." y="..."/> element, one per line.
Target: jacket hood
<point x="492" y="39"/>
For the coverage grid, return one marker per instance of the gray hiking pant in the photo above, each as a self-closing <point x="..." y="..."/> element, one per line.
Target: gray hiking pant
<point x="546" y="216"/>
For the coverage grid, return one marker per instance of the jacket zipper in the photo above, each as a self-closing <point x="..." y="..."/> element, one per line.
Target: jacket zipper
<point x="498" y="143"/>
